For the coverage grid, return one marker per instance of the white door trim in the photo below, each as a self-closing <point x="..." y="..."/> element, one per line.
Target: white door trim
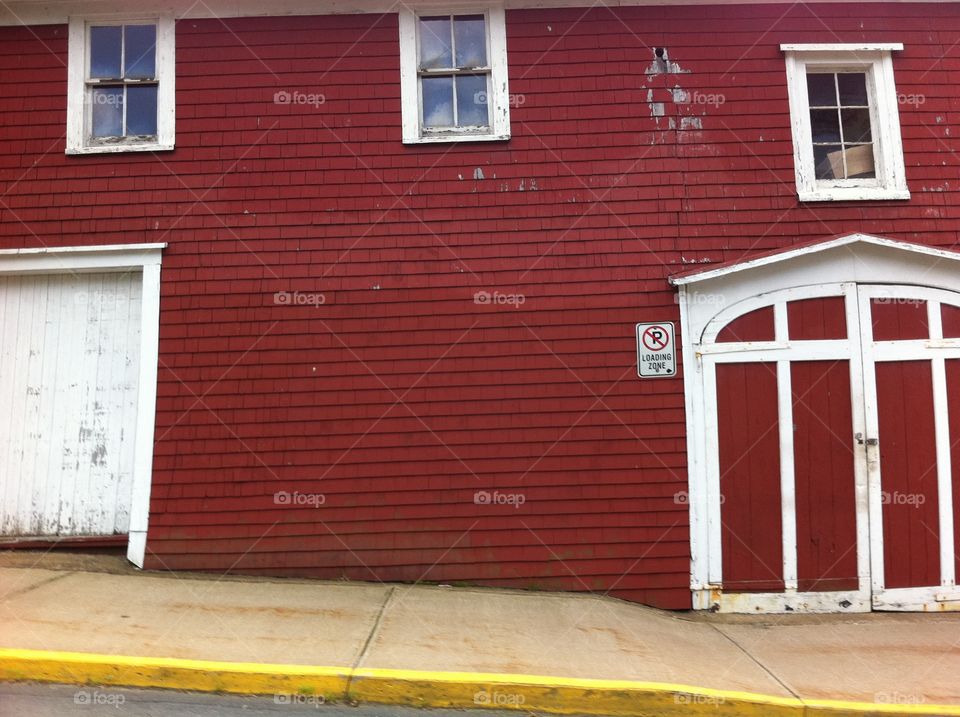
<point x="145" y="258"/>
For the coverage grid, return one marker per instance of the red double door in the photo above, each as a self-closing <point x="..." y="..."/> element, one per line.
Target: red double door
<point x="837" y="462"/>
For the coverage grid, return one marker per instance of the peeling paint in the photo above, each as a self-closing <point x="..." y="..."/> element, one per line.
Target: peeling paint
<point x="478" y="174"/>
<point x="680" y="95"/>
<point x="690" y="123"/>
<point x="662" y="65"/>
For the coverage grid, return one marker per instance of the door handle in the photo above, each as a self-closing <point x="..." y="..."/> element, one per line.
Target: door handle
<point x="869" y="441"/>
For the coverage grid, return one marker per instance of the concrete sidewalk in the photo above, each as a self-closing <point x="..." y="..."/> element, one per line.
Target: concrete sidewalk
<point x="901" y="663"/>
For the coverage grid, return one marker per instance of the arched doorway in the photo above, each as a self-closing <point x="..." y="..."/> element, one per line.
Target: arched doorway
<point x="823" y="399"/>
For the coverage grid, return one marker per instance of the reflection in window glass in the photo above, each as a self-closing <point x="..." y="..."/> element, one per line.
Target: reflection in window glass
<point x="105" y="52"/>
<point x="122" y="82"/>
<point x="140" y="51"/>
<point x="470" y="37"/>
<point x="454" y="71"/>
<point x="840" y="125"/>
<point x="436" y="50"/>
<point x="437" y="101"/>
<point x="107" y="112"/>
<point x="142" y="110"/>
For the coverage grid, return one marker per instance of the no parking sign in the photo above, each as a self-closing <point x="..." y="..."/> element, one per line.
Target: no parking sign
<point x="656" y="350"/>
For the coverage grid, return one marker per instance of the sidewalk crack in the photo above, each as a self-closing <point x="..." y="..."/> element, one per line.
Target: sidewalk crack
<point x="757" y="662"/>
<point x="374" y="631"/>
<point x="28" y="588"/>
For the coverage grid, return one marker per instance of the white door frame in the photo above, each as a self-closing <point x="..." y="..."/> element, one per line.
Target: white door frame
<point x="144" y="258"/>
<point x="831" y="267"/>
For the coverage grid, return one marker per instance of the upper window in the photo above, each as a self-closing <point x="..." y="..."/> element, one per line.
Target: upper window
<point x="845" y="119"/>
<point x="454" y="76"/>
<point x="121" y="93"/>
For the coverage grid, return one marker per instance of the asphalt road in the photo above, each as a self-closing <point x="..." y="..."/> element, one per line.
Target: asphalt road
<point x="34" y="700"/>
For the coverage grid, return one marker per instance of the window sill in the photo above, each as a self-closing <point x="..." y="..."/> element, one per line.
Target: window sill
<point x="435" y="138"/>
<point x="120" y="147"/>
<point x="853" y="194"/>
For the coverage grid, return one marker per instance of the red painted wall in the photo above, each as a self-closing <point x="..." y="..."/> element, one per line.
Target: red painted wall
<point x="400" y="397"/>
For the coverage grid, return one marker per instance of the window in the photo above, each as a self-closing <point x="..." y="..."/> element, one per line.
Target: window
<point x="454" y="76"/>
<point x="845" y="118"/>
<point x="121" y="86"/>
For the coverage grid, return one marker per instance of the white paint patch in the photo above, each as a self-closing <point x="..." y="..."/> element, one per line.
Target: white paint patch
<point x="680" y="95"/>
<point x="478" y="174"/>
<point x="690" y="123"/>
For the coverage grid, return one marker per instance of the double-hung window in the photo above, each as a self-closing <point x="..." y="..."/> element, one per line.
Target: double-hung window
<point x="454" y="76"/>
<point x="121" y="86"/>
<point x="845" y="118"/>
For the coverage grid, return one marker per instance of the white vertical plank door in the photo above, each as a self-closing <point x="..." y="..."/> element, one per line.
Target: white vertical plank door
<point x="69" y="376"/>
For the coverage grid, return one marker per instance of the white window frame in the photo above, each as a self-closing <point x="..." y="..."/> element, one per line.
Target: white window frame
<point x="499" y="94"/>
<point x="876" y="61"/>
<point x="79" y="140"/>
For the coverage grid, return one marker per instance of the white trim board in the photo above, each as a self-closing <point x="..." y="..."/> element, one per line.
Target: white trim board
<point x="144" y="258"/>
<point x="57" y="12"/>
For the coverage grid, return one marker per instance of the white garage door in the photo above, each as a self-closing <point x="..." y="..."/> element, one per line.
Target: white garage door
<point x="69" y="369"/>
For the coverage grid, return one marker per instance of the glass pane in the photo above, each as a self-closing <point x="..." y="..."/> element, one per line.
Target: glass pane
<point x="828" y="161"/>
<point x="435" y="50"/>
<point x="470" y="38"/>
<point x="437" y="101"/>
<point x="820" y="89"/>
<point x="140" y="51"/>
<point x="142" y="110"/>
<point x="853" y="88"/>
<point x="825" y="125"/>
<point x="860" y="163"/>
<point x="472" y="101"/>
<point x="105" y="52"/>
<point x="856" y="125"/>
<point x="107" y="113"/>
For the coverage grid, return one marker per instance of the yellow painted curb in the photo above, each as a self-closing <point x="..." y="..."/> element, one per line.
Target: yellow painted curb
<point x="559" y="695"/>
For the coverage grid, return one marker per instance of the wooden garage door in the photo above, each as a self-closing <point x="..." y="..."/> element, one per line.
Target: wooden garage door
<point x="69" y="367"/>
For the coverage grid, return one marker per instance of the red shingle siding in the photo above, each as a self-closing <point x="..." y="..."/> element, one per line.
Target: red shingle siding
<point x="400" y="397"/>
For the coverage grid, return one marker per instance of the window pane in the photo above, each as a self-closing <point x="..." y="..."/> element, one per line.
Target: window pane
<point x="470" y="38"/>
<point x="142" y="110"/>
<point x="105" y="52"/>
<point x="856" y="125"/>
<point x="828" y="161"/>
<point x="825" y="125"/>
<point x="140" y="51"/>
<point x="860" y="163"/>
<point x="820" y="89"/>
<point x="853" y="88"/>
<point x="435" y="50"/>
<point x="437" y="101"/>
<point x="107" y="114"/>
<point x="472" y="101"/>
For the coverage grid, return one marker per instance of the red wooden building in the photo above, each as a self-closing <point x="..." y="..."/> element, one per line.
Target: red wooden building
<point x="351" y="290"/>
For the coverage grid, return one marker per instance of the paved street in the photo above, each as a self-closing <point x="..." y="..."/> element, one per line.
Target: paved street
<point x="32" y="700"/>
